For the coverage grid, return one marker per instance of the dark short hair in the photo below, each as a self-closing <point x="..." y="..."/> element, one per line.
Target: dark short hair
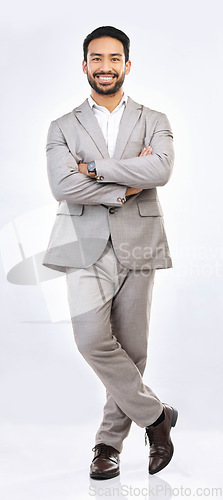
<point x="107" y="31"/>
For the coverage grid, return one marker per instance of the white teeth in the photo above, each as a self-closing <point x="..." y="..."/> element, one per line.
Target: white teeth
<point x="106" y="78"/>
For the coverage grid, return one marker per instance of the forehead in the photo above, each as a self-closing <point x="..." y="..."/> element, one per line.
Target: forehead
<point x="105" y="45"/>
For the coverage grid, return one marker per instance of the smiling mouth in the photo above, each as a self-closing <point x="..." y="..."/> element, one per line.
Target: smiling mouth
<point x="105" y="79"/>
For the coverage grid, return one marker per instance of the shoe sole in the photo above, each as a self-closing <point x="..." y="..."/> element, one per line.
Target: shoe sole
<point x="95" y="475"/>
<point x="173" y="423"/>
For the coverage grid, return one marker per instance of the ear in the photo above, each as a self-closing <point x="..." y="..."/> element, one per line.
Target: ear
<point x="84" y="67"/>
<point x="127" y="67"/>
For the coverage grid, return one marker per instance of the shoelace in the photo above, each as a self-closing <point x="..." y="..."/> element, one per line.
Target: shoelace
<point x="101" y="448"/>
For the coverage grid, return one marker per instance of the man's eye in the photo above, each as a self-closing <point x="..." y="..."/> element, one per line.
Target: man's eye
<point x="96" y="59"/>
<point x="115" y="59"/>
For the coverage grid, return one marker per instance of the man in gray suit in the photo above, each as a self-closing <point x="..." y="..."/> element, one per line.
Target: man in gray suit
<point x="105" y="161"/>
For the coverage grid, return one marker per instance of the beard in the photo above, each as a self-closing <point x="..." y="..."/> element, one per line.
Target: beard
<point x="105" y="89"/>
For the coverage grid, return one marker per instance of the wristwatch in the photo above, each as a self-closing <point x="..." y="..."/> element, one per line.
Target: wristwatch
<point x="91" y="168"/>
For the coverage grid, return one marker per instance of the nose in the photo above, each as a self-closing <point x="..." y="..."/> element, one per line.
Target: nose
<point x="105" y="65"/>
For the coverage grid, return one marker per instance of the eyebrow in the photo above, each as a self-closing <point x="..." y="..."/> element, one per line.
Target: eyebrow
<point x="96" y="54"/>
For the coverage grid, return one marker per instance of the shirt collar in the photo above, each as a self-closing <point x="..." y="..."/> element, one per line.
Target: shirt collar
<point x="123" y="101"/>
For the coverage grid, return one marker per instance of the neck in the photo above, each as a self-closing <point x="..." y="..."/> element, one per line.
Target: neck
<point x="108" y="101"/>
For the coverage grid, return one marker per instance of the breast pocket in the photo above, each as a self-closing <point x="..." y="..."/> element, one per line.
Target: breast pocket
<point x="153" y="229"/>
<point x="65" y="208"/>
<point x="149" y="209"/>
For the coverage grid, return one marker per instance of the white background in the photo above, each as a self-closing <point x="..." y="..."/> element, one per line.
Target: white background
<point x="176" y="54"/>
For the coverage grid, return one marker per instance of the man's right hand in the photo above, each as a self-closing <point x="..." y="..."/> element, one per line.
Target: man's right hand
<point x="129" y="191"/>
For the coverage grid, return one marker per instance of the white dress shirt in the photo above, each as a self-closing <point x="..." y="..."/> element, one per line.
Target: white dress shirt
<point x="109" y="122"/>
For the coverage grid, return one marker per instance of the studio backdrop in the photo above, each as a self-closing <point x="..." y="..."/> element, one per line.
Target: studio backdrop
<point x="176" y="54"/>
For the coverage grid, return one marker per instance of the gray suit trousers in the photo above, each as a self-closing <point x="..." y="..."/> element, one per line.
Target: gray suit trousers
<point x="110" y="310"/>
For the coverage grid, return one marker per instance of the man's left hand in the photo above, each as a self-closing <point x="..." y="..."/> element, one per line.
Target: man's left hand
<point x="82" y="168"/>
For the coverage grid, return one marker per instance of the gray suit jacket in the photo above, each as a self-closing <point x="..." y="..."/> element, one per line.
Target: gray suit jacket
<point x="90" y="210"/>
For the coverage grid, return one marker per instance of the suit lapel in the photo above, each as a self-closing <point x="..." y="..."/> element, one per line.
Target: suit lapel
<point x="129" y="119"/>
<point x="86" y="117"/>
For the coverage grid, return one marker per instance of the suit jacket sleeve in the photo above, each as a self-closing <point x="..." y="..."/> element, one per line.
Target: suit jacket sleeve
<point x="144" y="172"/>
<point x="68" y="184"/>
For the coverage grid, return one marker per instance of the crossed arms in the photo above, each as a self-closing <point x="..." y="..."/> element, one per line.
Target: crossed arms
<point x="82" y="167"/>
<point x="70" y="181"/>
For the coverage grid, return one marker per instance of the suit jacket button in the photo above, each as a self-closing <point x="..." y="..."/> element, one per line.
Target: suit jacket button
<point x="111" y="210"/>
<point x="119" y="199"/>
<point x="101" y="178"/>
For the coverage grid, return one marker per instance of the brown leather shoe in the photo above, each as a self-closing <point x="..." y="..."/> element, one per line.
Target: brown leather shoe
<point x="105" y="463"/>
<point x="161" y="446"/>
